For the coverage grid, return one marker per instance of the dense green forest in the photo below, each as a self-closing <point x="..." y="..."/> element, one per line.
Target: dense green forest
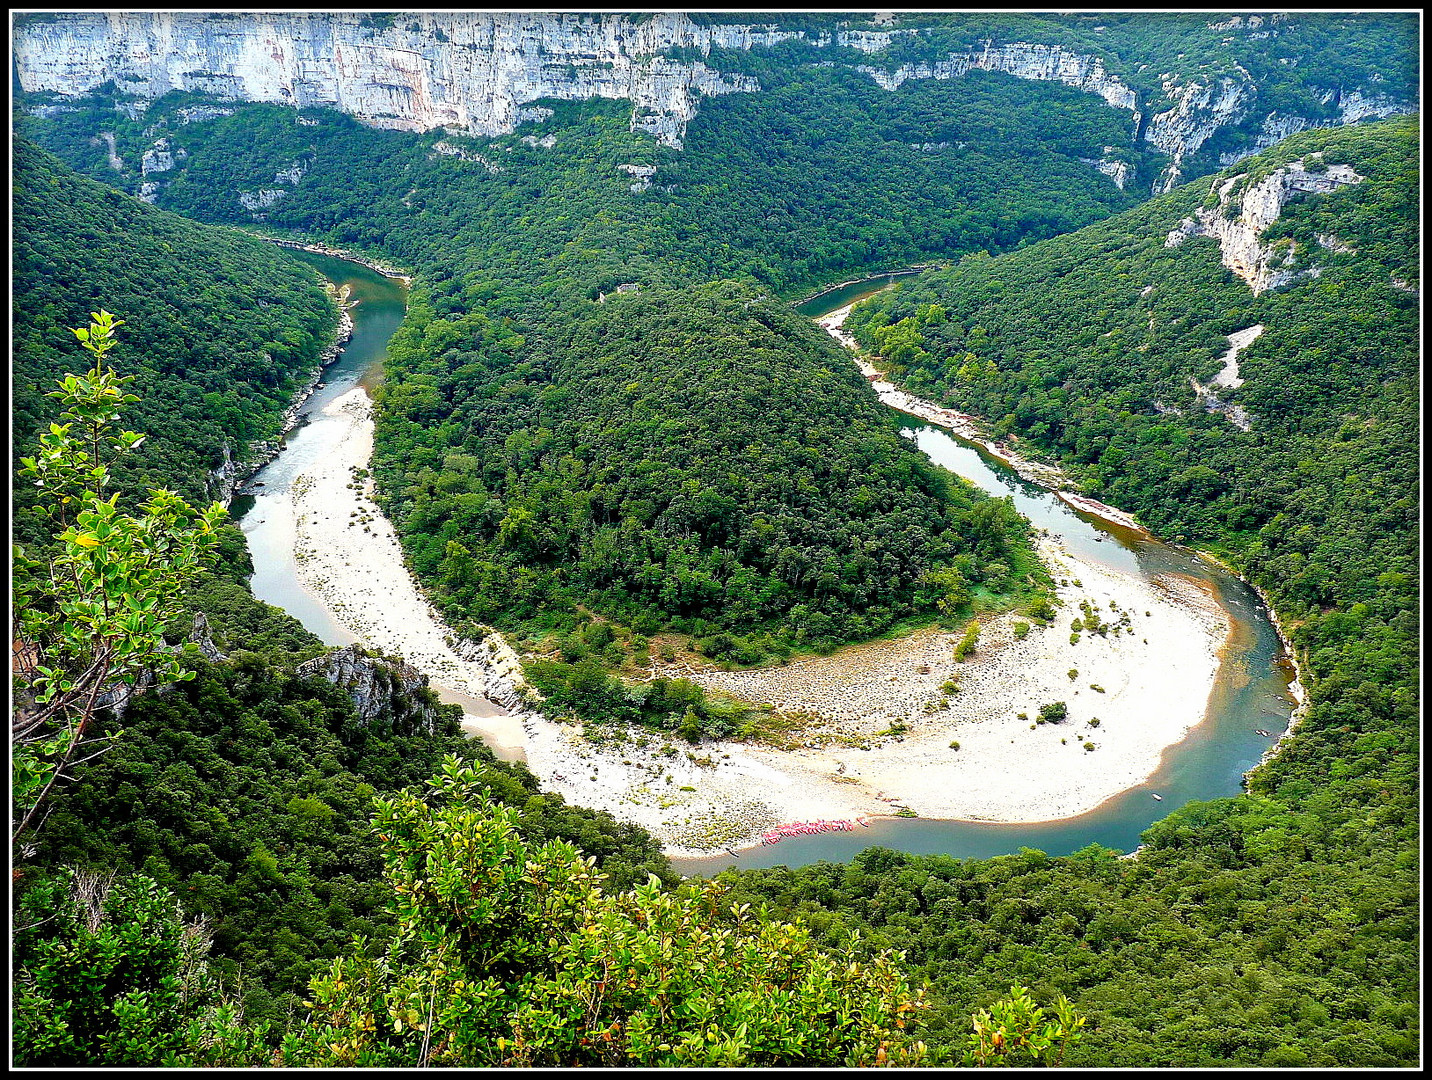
<point x="229" y="326"/>
<point x="695" y="456"/>
<point x="1067" y="346"/>
<point x="508" y="334"/>
<point x="756" y="484"/>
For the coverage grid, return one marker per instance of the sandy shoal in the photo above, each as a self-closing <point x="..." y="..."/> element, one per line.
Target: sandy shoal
<point x="1155" y="678"/>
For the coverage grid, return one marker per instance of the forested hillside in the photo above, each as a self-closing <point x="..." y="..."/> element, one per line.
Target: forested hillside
<point x="1278" y="928"/>
<point x="229" y="326"/>
<point x="687" y="453"/>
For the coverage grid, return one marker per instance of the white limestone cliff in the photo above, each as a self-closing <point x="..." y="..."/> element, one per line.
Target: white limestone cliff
<point x="1239" y="234"/>
<point x="1199" y="110"/>
<point x="471" y="71"/>
<point x="478" y="73"/>
<point x="1024" y="60"/>
<point x="1353" y="106"/>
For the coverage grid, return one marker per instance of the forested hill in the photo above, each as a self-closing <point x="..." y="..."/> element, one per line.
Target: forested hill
<point x="1089" y="346"/>
<point x="1085" y="345"/>
<point x="221" y="329"/>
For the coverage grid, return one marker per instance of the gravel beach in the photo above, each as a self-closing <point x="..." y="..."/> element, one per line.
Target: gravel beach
<point x="1147" y="685"/>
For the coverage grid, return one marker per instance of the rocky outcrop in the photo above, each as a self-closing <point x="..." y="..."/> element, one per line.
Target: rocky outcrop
<point x="1228" y="378"/>
<point x="118" y="696"/>
<point x="446" y="149"/>
<point x="504" y="683"/>
<point x="1242" y="212"/>
<point x="1115" y="170"/>
<point x="479" y="72"/>
<point x="1353" y="106"/>
<point x="1199" y="110"/>
<point x="1024" y="60"/>
<point x="388" y="694"/>
<point x="470" y="71"/>
<point x="161" y="157"/>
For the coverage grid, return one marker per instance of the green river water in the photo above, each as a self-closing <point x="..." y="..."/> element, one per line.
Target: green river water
<point x="1250" y="691"/>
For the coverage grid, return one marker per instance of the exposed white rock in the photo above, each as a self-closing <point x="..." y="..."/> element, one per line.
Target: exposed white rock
<point x="1355" y="105"/>
<point x="642" y="174"/>
<point x="1262" y="266"/>
<point x="383" y="689"/>
<point x="1118" y="171"/>
<point x="473" y="71"/>
<point x="1024" y="60"/>
<point x="1332" y="243"/>
<point x="546" y="142"/>
<point x="115" y="161"/>
<point x="447" y="149"/>
<point x="291" y="175"/>
<point x="193" y="114"/>
<point x="500" y="669"/>
<point x="1199" y="110"/>
<point x="480" y="72"/>
<point x="1237" y="342"/>
<point x="261" y="199"/>
<point x="1275" y="129"/>
<point x="159" y="158"/>
<point x="149" y="191"/>
<point x="49" y="112"/>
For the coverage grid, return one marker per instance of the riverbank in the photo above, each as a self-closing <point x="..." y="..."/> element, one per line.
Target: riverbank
<point x="971" y="429"/>
<point x="1297" y="688"/>
<point x="231" y="476"/>
<point x="347" y="555"/>
<point x="376" y="265"/>
<point x="967" y="427"/>
<point x="1154" y="680"/>
<point x="901" y="272"/>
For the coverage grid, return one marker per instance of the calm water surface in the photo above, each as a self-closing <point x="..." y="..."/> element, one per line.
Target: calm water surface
<point x="266" y="517"/>
<point x="1251" y="689"/>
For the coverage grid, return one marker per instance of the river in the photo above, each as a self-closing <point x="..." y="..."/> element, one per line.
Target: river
<point x="1250" y="691"/>
<point x="266" y="517"/>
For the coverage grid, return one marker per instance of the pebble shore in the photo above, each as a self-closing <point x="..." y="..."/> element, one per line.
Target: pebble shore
<point x="1155" y="681"/>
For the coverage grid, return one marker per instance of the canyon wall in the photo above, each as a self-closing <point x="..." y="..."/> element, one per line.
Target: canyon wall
<point x="1245" y="209"/>
<point x="477" y="72"/>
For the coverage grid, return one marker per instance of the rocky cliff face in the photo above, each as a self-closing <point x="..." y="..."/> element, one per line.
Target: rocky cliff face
<point x="1201" y="109"/>
<point x="385" y="692"/>
<point x="1244" y="210"/>
<point x="504" y="683"/>
<point x="1045" y="63"/>
<point x="470" y="71"/>
<point x="475" y="72"/>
